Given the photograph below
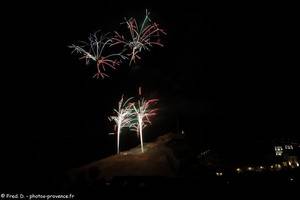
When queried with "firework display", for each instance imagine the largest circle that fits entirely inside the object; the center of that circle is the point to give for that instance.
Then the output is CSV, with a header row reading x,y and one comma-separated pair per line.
x,y
144,112
123,118
109,51
98,50
140,38
135,115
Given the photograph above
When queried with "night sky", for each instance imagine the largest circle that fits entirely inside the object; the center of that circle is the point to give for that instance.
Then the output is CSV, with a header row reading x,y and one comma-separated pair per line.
x,y
227,76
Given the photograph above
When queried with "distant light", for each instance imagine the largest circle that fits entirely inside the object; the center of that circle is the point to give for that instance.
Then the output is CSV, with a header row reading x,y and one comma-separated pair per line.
x,y
261,167
288,146
278,166
297,164
291,179
219,173
285,164
278,150
272,166
238,169
250,168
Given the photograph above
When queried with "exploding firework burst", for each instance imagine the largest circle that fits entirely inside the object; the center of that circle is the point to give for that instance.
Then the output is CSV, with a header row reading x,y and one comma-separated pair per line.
x,y
143,111
97,50
140,37
123,118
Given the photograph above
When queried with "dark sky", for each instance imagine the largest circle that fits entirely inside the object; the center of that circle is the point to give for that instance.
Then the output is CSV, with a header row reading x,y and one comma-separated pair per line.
x,y
227,73
233,66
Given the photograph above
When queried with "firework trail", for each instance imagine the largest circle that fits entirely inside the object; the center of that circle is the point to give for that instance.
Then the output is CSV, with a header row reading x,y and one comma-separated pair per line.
x,y
123,117
97,50
144,112
140,38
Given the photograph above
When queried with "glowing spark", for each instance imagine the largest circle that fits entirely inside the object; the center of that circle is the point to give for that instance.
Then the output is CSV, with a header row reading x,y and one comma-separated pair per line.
x,y
140,37
278,166
140,90
238,169
219,173
144,113
123,118
97,50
